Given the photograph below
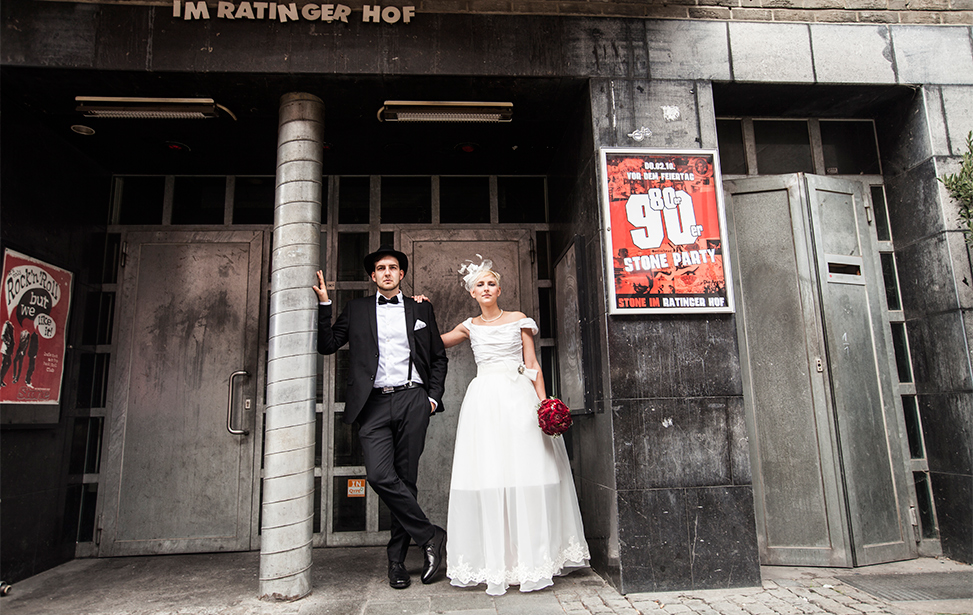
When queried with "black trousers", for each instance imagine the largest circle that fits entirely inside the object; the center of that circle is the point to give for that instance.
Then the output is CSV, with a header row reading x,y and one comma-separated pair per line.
x,y
392,431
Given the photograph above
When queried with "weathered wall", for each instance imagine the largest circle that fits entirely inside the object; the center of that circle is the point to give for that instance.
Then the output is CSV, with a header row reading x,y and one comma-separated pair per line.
x,y
53,204
150,39
679,495
834,11
682,470
927,139
575,211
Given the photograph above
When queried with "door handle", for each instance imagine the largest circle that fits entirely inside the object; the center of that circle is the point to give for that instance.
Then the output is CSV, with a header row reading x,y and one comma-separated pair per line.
x,y
229,405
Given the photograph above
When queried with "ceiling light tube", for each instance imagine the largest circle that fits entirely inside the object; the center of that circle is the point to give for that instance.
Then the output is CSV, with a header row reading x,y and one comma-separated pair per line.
x,y
445,111
146,108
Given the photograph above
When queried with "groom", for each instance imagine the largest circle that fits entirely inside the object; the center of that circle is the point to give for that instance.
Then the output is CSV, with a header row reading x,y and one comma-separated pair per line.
x,y
395,382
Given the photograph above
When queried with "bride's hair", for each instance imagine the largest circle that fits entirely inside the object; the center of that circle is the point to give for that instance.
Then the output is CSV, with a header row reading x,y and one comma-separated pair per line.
x,y
472,272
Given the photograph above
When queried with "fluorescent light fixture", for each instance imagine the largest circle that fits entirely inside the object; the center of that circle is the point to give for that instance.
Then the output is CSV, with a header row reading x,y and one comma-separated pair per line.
x,y
148,108
445,111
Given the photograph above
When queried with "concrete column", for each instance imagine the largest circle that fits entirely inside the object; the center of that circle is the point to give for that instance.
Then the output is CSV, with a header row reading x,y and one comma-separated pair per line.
x,y
288,485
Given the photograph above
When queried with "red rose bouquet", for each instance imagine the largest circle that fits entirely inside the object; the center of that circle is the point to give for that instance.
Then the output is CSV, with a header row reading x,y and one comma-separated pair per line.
x,y
553,417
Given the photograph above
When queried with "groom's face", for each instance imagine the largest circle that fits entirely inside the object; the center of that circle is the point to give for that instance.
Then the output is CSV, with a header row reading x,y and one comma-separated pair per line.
x,y
387,274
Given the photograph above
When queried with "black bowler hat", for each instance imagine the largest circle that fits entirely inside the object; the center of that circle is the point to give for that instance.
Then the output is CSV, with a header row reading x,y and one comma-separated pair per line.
x,y
386,250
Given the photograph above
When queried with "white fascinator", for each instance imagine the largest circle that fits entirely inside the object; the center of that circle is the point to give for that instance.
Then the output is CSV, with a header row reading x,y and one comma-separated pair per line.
x,y
471,272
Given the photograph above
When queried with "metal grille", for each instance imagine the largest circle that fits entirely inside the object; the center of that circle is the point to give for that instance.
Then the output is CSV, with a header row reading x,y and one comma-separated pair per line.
x,y
908,587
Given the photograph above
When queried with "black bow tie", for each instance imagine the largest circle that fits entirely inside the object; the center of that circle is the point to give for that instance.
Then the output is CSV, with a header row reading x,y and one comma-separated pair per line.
x,y
382,300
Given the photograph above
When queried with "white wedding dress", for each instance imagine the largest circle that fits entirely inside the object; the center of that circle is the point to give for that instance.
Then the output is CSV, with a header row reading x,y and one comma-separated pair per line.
x,y
513,511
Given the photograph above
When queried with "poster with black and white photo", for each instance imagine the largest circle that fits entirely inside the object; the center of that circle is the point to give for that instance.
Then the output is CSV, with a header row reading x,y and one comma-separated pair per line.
x,y
34,318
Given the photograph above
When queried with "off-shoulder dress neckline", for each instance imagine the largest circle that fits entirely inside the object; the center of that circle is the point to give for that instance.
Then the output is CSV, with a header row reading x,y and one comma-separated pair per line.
x,y
512,322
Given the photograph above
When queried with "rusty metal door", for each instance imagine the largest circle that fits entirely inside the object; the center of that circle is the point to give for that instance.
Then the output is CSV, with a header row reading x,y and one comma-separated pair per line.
x,y
180,466
830,485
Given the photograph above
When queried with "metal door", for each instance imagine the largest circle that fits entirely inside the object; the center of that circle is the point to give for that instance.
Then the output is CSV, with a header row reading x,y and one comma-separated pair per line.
x,y
867,411
828,469
434,264
180,466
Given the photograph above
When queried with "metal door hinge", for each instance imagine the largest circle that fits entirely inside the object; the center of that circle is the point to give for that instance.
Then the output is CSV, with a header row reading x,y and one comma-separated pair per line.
x,y
98,529
868,210
532,252
915,523
123,256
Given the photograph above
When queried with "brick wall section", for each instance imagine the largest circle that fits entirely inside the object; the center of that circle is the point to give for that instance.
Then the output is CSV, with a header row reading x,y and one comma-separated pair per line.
x,y
951,12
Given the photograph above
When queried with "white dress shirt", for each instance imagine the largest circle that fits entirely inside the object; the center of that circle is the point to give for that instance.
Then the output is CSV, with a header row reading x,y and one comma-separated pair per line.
x,y
393,345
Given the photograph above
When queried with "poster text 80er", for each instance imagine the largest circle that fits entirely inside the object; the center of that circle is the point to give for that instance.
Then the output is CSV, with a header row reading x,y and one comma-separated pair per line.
x,y
665,231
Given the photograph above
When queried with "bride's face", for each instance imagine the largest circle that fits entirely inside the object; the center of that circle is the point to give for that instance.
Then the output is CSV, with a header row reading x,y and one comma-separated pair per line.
x,y
486,289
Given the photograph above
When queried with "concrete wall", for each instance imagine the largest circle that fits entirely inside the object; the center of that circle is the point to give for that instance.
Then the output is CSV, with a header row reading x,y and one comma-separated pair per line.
x,y
148,38
835,11
822,11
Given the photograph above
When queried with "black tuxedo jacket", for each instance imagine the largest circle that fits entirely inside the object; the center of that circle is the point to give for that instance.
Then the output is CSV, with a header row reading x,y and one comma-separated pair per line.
x,y
358,327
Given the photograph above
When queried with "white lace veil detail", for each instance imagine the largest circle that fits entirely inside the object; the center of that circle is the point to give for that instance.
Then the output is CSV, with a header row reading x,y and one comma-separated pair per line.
x,y
471,272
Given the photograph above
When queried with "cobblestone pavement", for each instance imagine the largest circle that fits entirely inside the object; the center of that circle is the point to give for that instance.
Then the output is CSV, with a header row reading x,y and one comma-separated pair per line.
x,y
793,591
773,598
350,581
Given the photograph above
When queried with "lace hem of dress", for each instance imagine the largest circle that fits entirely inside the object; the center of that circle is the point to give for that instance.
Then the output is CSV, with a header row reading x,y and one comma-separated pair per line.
x,y
575,554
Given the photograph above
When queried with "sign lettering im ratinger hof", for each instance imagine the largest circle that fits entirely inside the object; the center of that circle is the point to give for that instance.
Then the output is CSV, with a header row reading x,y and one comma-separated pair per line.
x,y
665,231
289,11
33,318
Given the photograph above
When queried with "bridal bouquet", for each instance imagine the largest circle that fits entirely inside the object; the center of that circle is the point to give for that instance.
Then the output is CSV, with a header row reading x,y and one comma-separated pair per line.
x,y
553,417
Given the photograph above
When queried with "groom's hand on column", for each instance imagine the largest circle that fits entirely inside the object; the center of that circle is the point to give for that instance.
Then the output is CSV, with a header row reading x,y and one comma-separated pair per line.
x,y
321,289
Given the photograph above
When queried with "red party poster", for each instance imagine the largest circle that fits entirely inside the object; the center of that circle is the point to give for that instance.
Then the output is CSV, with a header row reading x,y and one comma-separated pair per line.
x,y
34,318
666,231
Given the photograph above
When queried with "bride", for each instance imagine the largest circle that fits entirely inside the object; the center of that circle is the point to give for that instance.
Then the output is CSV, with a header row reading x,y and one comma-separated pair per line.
x,y
513,512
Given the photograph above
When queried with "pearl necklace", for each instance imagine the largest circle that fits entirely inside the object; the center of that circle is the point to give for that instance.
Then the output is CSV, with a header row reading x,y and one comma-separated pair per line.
x,y
492,319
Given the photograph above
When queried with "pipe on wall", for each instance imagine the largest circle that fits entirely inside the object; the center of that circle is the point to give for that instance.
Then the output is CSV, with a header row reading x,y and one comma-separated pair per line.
x,y
288,484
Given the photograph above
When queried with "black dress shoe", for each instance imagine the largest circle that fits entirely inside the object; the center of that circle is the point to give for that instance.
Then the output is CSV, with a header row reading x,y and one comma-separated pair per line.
x,y
398,576
434,552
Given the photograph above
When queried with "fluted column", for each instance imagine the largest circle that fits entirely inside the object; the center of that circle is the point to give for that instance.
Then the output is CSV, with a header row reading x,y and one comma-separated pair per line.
x,y
288,484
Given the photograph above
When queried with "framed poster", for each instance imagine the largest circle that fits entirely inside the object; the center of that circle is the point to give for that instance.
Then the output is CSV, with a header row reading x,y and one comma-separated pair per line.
x,y
665,230
34,318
